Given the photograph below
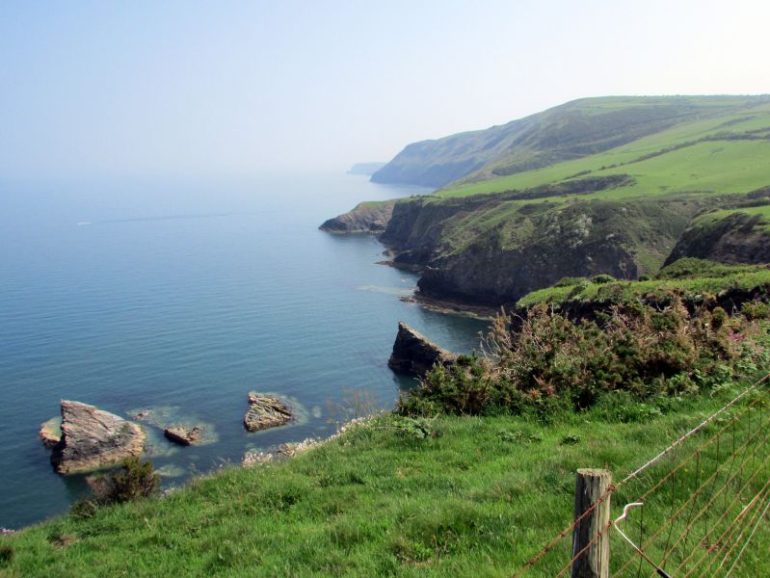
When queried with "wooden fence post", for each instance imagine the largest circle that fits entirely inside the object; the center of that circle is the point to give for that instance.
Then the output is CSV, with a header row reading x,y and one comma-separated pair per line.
x,y
591,534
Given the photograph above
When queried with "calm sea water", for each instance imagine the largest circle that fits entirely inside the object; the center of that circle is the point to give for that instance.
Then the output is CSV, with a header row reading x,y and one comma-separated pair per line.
x,y
182,297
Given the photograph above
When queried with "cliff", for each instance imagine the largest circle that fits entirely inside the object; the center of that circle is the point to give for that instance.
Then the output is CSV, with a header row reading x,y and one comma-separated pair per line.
x,y
740,236
369,218
518,248
614,186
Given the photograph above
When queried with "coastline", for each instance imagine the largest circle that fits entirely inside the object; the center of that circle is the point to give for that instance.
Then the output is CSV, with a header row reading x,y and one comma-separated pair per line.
x,y
449,307
437,305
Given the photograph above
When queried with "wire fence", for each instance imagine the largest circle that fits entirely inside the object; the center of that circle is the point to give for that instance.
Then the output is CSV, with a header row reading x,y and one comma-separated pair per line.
x,y
691,511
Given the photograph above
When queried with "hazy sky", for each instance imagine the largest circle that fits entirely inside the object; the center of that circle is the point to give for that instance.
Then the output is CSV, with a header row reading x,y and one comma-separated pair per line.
x,y
232,88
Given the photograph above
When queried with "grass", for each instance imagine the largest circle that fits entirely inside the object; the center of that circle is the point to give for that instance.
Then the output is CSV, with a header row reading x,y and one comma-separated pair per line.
x,y
718,166
718,215
737,277
477,497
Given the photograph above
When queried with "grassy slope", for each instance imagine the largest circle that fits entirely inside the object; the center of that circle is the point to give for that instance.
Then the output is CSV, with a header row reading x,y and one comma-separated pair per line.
x,y
738,277
671,165
719,166
478,500
571,130
717,215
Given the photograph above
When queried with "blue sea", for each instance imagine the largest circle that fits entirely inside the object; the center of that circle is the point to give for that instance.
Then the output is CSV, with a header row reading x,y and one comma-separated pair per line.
x,y
179,297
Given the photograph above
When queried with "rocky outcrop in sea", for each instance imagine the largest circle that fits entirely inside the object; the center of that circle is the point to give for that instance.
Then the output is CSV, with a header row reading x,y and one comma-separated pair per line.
x,y
184,436
93,439
414,354
266,411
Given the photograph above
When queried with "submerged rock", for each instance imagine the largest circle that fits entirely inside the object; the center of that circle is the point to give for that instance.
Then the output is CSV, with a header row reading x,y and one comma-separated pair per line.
x,y
183,435
180,426
93,439
266,411
415,354
50,432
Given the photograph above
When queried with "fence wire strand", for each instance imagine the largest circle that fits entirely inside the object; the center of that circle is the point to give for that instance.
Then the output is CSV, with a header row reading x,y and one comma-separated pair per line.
x,y
684,488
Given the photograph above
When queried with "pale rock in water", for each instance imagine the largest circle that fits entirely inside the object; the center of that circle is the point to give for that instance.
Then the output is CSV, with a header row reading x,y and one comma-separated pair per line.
x,y
183,435
266,411
93,439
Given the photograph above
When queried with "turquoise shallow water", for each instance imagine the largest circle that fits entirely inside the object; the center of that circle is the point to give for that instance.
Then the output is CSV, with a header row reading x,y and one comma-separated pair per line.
x,y
183,297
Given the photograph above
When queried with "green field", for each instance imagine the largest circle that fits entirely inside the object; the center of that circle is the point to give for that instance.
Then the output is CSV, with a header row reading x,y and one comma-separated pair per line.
x,y
720,165
471,497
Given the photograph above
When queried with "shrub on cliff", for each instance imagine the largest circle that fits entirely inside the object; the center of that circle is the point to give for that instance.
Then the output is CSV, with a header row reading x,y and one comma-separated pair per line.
x,y
552,361
134,480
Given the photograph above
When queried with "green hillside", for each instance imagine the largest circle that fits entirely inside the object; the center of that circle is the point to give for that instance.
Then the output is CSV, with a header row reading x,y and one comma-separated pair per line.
x,y
566,134
616,185
726,152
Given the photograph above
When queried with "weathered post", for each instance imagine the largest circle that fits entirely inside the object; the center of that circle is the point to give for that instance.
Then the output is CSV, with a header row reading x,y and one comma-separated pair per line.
x,y
591,540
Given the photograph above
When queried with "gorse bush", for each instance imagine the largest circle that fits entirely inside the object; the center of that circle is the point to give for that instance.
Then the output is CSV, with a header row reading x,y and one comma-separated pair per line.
x,y
134,480
552,363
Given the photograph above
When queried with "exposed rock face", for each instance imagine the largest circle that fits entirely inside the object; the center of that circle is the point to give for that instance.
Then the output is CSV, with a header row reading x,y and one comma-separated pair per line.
x,y
266,411
50,432
183,435
93,439
531,246
737,238
415,354
370,218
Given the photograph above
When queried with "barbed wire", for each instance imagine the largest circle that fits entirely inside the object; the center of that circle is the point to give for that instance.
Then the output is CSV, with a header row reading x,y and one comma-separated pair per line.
x,y
692,499
748,539
736,536
742,454
695,430
724,537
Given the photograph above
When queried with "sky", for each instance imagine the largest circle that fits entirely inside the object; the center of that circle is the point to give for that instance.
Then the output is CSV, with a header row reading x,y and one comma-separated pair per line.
x,y
229,88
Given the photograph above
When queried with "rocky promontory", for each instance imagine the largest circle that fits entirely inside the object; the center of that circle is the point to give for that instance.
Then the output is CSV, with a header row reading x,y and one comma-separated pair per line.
x,y
93,439
414,354
366,218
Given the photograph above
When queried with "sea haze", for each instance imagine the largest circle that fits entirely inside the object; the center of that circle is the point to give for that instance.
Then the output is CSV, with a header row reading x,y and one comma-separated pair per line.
x,y
183,297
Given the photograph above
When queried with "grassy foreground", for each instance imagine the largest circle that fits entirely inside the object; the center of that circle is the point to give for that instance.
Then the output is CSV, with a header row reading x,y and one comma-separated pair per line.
x,y
454,496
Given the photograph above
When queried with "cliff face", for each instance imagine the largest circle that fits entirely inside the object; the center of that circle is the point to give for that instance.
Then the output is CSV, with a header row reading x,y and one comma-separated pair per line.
x,y
487,275
531,246
370,218
575,191
739,237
